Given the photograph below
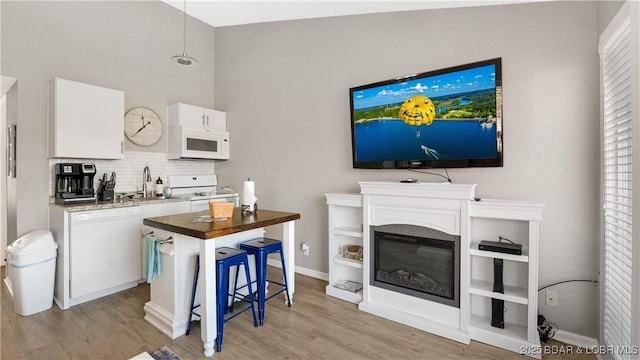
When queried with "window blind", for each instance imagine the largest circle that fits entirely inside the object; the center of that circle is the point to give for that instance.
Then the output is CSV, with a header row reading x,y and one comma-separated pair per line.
x,y
617,140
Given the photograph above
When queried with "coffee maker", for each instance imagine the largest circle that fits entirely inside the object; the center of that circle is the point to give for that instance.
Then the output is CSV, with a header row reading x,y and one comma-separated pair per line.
x,y
74,182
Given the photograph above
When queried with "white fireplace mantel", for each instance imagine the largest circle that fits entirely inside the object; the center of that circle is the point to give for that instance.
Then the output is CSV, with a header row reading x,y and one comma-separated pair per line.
x,y
439,206
453,209
444,190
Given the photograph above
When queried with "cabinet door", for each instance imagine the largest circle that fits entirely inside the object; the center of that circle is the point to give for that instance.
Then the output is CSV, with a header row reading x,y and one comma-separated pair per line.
x,y
85,121
104,254
186,115
196,117
215,119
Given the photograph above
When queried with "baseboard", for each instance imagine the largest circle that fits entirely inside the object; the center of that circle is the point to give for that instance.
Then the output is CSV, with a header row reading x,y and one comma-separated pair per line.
x,y
302,270
575,339
312,273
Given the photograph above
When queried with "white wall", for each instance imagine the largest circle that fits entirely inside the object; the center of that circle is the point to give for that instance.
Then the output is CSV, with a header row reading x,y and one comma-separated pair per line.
x,y
606,10
285,88
124,45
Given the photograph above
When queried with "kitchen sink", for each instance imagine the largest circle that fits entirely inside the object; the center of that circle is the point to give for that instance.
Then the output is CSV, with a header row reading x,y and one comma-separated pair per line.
x,y
137,198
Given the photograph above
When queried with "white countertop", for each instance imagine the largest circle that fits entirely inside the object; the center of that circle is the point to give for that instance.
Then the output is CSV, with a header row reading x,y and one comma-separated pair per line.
x,y
99,205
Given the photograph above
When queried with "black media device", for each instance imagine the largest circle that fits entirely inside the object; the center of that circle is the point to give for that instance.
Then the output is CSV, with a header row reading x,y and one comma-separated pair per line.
x,y
497,305
501,247
498,286
497,313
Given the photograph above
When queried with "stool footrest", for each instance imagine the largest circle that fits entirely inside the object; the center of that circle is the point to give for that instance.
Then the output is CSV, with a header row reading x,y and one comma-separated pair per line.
x,y
275,294
237,312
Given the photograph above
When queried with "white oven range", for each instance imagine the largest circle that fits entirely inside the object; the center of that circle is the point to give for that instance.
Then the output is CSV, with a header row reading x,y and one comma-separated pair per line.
x,y
198,188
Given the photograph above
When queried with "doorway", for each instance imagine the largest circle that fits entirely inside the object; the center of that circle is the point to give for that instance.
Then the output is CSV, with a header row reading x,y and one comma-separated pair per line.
x,y
7,186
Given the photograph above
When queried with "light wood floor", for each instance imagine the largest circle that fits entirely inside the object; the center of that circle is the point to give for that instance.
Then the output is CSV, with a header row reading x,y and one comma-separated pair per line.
x,y
316,327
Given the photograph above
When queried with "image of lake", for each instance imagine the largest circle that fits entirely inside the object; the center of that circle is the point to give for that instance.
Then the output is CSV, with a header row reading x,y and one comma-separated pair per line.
x,y
393,140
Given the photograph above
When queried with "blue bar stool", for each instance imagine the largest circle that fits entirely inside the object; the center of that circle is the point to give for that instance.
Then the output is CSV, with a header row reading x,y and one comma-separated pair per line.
x,y
225,259
261,248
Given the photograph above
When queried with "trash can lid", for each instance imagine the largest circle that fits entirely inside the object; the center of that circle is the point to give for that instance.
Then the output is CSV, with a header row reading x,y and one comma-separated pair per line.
x,y
38,240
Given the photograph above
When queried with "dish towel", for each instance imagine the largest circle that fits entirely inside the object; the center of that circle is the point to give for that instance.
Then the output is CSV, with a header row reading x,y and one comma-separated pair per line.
x,y
151,258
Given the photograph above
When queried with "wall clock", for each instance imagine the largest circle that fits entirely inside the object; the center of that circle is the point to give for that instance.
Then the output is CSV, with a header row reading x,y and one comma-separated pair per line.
x,y
142,126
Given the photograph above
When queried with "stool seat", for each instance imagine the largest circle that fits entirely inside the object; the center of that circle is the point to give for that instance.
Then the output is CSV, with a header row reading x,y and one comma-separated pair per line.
x,y
228,253
226,258
262,243
261,248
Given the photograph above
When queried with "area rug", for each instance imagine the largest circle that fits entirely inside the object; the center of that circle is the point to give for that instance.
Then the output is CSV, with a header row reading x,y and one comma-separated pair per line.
x,y
164,353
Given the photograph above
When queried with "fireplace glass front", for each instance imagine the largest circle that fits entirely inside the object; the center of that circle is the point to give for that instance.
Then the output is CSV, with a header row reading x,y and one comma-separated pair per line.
x,y
425,266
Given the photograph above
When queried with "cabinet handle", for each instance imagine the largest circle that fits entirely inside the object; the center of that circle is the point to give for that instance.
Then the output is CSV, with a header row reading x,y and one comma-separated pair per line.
x,y
207,120
203,123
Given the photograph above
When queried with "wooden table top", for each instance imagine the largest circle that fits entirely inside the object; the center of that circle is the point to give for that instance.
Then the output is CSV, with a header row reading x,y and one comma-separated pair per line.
x,y
183,223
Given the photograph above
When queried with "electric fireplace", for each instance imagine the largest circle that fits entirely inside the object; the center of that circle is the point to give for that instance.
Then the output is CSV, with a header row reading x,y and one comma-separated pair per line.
x,y
416,261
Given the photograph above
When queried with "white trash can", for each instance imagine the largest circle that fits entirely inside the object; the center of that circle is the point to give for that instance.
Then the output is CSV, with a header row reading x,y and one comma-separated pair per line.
x,y
31,262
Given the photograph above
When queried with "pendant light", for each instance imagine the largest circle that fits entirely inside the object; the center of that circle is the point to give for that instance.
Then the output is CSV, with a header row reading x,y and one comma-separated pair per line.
x,y
184,59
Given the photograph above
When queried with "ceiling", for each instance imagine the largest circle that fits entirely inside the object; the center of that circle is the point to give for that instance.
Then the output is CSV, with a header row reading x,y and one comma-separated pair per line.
x,y
219,13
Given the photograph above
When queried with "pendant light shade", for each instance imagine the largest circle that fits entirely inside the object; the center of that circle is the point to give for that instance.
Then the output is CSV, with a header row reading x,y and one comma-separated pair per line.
x,y
184,59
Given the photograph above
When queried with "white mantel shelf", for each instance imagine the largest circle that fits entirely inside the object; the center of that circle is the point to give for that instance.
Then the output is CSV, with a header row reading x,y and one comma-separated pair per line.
x,y
444,190
453,209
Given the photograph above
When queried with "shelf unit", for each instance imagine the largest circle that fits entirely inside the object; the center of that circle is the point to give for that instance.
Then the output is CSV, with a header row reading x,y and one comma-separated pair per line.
x,y
519,222
345,228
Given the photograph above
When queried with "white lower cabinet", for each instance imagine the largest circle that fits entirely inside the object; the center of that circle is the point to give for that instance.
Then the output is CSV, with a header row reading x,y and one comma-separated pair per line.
x,y
345,229
98,252
103,250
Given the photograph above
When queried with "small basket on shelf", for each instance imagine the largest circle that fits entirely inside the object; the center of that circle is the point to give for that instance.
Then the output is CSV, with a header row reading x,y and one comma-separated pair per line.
x,y
221,209
353,252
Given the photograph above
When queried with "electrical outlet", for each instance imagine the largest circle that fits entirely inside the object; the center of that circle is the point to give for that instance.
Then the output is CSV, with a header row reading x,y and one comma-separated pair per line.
x,y
552,298
305,249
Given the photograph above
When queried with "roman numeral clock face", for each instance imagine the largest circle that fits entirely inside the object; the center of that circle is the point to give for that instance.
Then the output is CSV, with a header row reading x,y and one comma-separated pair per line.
x,y
142,126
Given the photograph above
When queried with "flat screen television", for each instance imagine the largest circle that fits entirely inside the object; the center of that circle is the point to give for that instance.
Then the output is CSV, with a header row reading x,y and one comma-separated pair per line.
x,y
447,118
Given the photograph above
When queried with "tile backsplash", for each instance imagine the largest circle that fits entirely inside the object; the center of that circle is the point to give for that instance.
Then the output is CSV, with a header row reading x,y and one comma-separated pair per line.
x,y
129,170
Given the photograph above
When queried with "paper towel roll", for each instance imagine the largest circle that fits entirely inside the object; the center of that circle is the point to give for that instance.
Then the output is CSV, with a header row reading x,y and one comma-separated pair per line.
x,y
248,194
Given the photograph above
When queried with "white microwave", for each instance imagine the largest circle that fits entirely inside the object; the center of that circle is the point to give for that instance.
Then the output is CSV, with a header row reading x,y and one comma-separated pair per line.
x,y
197,143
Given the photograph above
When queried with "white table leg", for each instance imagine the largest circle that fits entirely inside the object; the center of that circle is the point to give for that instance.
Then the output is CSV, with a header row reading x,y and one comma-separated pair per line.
x,y
289,247
208,295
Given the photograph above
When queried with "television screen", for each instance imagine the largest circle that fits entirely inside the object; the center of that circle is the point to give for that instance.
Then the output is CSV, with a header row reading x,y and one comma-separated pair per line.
x,y
445,118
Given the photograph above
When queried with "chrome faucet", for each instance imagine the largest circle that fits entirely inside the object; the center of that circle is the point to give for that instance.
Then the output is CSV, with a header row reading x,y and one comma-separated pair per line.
x,y
146,177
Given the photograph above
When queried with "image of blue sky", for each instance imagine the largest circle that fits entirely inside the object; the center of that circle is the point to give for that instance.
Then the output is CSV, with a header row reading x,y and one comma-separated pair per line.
x,y
462,81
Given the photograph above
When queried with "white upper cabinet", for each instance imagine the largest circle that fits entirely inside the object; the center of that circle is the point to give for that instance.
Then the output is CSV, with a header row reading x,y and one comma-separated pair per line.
x,y
84,121
196,117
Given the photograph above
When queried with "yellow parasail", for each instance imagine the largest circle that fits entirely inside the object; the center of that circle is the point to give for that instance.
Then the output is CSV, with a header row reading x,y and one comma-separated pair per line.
x,y
417,110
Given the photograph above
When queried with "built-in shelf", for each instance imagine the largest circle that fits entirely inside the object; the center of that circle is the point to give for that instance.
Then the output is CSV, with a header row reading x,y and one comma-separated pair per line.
x,y
354,297
513,337
511,293
492,254
339,259
348,231
483,324
345,228
490,219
